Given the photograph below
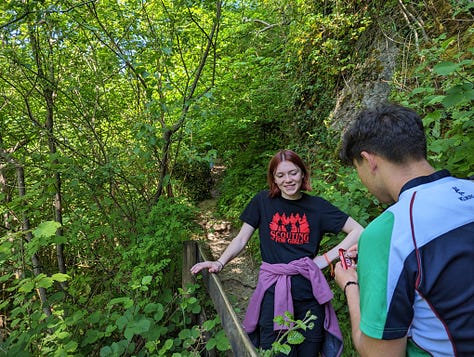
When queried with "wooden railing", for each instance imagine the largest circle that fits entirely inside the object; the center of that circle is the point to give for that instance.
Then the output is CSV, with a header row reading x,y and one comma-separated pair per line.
x,y
238,338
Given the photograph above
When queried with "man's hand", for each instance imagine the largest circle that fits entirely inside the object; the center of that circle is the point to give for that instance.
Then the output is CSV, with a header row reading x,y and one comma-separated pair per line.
x,y
342,276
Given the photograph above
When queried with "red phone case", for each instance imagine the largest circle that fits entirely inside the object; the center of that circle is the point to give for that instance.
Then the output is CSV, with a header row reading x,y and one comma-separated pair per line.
x,y
345,261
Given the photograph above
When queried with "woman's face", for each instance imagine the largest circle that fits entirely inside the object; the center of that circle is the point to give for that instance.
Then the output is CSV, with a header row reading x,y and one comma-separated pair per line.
x,y
289,178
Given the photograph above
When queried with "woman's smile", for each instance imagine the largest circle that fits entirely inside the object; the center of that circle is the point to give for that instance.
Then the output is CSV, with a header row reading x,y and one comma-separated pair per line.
x,y
288,177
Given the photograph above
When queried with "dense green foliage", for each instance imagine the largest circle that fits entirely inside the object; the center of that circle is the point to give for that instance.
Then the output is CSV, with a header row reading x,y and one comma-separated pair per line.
x,y
112,113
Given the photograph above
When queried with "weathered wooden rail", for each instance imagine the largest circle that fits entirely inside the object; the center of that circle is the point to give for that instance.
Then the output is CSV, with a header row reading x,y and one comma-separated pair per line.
x,y
238,338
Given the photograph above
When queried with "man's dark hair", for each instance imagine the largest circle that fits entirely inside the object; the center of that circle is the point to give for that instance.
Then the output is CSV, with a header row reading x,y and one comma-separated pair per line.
x,y
390,130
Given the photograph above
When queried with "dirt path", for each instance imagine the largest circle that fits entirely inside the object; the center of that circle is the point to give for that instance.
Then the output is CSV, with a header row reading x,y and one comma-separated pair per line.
x,y
239,277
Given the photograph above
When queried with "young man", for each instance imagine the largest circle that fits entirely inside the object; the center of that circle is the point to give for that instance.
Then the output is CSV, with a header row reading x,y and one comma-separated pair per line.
x,y
412,292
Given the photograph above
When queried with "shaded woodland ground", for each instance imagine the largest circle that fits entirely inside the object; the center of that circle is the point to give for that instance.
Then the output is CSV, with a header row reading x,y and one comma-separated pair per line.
x,y
239,277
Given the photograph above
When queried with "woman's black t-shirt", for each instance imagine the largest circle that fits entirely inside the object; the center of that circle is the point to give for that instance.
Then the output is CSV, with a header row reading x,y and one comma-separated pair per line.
x,y
292,229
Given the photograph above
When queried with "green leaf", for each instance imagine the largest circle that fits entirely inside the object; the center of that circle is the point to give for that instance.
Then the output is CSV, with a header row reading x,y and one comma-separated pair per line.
x,y
445,68
62,335
91,336
146,280
434,116
159,313
156,332
196,309
118,348
187,343
208,325
44,281
5,277
434,99
46,229
60,277
59,240
285,349
126,301
94,317
109,330
222,341
184,334
136,328
106,351
192,300
459,95
121,322
27,286
300,324
295,337
4,303
211,344
71,346
280,320
423,90
166,347
152,307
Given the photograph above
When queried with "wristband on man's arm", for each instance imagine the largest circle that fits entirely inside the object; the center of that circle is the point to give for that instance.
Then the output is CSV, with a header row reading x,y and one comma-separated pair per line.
x,y
350,283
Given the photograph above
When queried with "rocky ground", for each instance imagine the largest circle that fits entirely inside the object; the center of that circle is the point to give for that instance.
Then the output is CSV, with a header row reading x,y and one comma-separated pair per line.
x,y
239,277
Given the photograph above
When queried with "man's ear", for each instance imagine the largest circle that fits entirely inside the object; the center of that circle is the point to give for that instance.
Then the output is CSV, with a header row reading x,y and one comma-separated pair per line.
x,y
370,159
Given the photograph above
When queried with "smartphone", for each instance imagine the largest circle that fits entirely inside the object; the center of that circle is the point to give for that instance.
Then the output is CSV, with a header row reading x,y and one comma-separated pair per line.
x,y
345,260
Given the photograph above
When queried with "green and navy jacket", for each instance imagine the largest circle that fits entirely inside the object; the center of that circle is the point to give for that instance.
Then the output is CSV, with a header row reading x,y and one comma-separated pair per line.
x,y
415,268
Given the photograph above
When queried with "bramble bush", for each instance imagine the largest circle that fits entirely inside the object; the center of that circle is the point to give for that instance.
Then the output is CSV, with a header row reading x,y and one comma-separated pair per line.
x,y
131,307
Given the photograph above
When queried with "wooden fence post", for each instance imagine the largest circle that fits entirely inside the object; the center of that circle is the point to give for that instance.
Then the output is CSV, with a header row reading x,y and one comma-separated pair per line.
x,y
190,257
238,338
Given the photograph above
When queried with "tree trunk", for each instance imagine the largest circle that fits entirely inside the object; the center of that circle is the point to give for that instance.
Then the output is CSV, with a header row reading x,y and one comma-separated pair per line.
x,y
189,96
48,83
28,236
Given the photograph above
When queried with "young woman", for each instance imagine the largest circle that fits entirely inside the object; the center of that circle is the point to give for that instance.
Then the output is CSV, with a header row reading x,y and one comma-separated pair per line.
x,y
291,224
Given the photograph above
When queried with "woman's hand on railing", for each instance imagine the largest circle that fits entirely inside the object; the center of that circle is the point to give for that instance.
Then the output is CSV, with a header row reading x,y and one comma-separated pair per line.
x,y
212,266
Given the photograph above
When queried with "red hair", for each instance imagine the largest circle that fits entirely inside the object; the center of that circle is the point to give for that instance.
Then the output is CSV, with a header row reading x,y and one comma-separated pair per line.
x,y
286,155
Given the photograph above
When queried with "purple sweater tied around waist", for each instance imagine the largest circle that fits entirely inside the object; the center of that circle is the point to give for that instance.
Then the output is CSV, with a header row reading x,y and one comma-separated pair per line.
x,y
281,275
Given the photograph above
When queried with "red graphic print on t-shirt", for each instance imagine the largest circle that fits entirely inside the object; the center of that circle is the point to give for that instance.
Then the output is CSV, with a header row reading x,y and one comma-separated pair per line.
x,y
292,230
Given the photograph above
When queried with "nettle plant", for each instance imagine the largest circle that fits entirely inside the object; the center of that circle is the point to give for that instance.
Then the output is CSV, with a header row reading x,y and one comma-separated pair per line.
x,y
291,336
444,94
